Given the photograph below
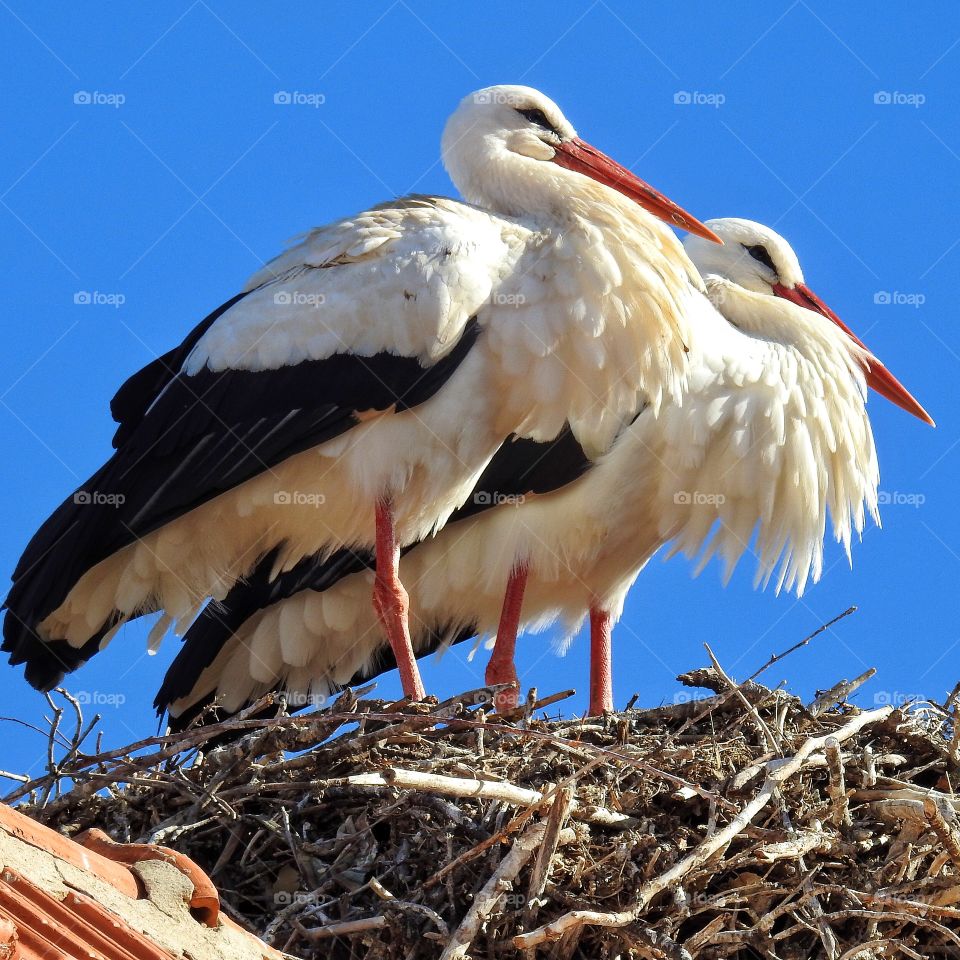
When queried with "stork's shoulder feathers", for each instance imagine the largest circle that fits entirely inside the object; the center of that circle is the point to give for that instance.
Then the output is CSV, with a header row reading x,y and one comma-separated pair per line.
x,y
426,223
404,277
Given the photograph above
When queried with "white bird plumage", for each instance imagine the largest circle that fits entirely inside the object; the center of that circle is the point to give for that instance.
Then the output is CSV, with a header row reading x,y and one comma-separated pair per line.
x,y
771,442
577,292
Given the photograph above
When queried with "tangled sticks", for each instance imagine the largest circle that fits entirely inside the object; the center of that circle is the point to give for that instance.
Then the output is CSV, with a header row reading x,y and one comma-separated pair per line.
x,y
742,824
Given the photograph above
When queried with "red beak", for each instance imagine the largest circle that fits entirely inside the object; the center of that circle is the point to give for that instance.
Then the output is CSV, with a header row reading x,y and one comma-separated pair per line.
x,y
878,376
580,156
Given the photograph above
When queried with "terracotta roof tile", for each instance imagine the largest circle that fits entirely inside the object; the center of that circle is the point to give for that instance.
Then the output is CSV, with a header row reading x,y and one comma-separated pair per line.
x,y
97,900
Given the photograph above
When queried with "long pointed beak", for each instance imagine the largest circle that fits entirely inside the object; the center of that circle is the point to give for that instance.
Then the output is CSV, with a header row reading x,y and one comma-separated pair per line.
x,y
879,378
578,155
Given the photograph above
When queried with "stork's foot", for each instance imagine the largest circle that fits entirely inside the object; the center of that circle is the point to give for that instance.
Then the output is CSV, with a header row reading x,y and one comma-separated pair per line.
x,y
392,604
503,670
601,660
502,667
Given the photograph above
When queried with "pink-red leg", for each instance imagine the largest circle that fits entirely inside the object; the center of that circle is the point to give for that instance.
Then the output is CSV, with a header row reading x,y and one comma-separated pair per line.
x,y
601,673
392,604
502,668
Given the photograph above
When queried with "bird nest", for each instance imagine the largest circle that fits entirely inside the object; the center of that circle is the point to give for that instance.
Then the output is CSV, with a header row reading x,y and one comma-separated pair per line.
x,y
739,822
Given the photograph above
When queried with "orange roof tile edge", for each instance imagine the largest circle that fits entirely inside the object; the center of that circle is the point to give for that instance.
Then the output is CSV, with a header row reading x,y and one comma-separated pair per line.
x,y
205,902
35,924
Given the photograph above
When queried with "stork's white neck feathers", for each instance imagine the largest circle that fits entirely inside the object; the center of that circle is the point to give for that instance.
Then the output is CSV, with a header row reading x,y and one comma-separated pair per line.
x,y
616,338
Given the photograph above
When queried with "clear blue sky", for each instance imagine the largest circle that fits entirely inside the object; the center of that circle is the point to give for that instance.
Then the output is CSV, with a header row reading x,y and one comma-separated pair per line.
x,y
181,174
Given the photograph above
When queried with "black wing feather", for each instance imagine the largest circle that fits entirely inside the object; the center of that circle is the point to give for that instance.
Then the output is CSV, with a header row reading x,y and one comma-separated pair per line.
x,y
134,397
200,436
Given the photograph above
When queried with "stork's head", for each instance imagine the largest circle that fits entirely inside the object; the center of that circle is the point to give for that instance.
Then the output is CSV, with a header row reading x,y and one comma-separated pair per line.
x,y
511,149
757,259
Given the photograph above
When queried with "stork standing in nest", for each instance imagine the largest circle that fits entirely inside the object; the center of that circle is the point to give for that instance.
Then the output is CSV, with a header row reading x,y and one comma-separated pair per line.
x,y
771,437
354,391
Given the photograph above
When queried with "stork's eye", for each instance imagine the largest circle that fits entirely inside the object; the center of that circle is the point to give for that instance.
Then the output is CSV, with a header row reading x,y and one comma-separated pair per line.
x,y
538,117
759,252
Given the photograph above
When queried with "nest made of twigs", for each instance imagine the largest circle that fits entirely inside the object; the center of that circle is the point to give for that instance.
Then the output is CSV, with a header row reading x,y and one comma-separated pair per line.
x,y
743,824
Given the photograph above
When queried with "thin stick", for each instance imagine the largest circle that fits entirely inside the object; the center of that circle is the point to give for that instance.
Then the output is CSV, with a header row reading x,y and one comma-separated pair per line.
x,y
839,692
943,820
837,787
765,733
475,789
776,658
345,929
559,811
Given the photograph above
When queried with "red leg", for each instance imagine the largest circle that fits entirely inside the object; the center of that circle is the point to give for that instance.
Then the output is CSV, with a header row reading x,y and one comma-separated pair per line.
x,y
392,604
501,668
601,679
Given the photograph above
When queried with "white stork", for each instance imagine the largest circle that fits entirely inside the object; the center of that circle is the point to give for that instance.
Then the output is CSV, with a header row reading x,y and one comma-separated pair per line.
x,y
772,434
355,389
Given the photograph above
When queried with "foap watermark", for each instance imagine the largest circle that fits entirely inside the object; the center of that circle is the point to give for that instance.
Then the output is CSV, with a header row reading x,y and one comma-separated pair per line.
x,y
897,298
284,898
900,498
299,98
98,498
699,98
297,298
498,96
895,698
501,698
686,696
494,498
698,498
99,698
98,298
298,700
509,299
514,901
299,498
97,98
897,98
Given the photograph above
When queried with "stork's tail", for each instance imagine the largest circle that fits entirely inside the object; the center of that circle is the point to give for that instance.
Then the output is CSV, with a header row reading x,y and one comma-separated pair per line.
x,y
78,534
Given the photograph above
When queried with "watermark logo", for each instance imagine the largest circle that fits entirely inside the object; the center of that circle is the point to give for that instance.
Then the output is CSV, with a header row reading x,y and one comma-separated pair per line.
x,y
699,98
509,299
493,498
297,298
99,698
894,698
681,697
297,700
698,498
299,98
896,98
298,498
897,298
97,298
97,498
284,898
497,96
97,98
898,498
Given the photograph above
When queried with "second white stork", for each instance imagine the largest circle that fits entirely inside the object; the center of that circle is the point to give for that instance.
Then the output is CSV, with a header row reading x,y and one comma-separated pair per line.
x,y
772,436
352,393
